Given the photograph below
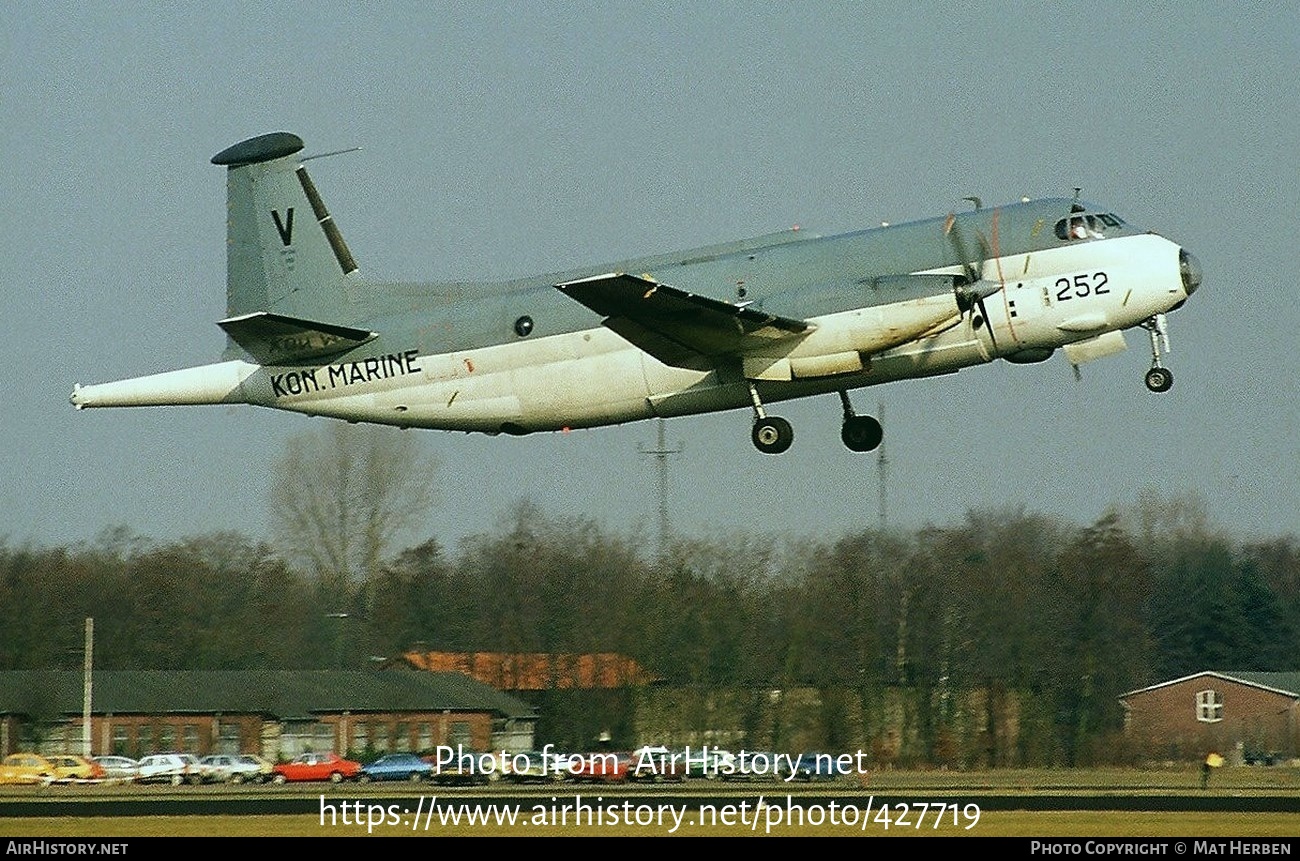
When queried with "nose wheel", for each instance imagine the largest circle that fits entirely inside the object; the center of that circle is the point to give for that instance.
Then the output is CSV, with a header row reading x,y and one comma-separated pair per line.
x,y
1159,378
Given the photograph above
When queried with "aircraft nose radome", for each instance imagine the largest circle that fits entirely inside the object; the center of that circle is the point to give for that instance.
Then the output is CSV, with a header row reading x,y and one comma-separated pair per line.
x,y
1190,268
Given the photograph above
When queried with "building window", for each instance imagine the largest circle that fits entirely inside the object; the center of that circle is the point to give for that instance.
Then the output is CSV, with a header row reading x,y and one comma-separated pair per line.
x,y
144,740
190,734
324,737
426,737
121,742
1209,706
360,738
229,738
167,737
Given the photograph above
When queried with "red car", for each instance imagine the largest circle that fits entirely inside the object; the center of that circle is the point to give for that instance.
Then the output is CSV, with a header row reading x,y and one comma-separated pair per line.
x,y
317,766
598,767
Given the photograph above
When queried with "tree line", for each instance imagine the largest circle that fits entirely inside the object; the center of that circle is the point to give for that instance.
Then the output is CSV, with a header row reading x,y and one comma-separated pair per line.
x,y
1062,617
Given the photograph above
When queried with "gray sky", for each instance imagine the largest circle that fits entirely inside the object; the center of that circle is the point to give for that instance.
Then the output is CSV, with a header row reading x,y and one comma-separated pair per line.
x,y
504,139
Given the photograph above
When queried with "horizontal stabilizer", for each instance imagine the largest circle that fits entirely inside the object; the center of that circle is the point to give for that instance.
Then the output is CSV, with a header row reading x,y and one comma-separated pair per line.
x,y
274,339
676,327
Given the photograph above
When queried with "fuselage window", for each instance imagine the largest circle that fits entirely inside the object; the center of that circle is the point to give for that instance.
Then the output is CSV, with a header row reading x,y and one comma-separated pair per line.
x,y
523,326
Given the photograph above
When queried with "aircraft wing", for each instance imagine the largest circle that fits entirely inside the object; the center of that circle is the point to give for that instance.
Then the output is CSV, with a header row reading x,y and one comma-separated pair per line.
x,y
676,327
274,339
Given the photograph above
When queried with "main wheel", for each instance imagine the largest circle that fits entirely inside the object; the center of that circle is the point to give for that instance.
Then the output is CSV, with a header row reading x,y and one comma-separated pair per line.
x,y
1159,379
861,433
772,435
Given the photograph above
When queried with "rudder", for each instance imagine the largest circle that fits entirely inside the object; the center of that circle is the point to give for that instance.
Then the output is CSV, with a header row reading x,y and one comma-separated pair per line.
x,y
284,252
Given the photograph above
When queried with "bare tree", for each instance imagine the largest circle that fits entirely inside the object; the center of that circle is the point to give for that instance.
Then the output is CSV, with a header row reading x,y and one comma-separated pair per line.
x,y
343,496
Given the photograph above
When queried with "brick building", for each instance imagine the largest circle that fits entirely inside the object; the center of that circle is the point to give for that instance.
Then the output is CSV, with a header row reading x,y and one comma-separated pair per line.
x,y
277,713
1245,716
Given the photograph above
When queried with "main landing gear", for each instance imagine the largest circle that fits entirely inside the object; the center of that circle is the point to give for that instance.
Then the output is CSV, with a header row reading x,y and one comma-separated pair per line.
x,y
1159,378
859,433
773,434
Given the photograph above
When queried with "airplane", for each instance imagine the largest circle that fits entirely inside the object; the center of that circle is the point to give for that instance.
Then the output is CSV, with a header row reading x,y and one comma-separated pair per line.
x,y
723,327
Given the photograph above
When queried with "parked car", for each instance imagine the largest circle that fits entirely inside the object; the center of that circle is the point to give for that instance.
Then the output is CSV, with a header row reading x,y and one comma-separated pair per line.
x,y
656,764
229,768
599,767
29,768
534,767
76,768
453,774
756,765
255,769
317,766
715,765
173,768
818,766
118,768
396,766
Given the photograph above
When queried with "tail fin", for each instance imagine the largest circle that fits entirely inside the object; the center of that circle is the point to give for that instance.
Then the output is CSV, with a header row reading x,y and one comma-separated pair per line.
x,y
285,254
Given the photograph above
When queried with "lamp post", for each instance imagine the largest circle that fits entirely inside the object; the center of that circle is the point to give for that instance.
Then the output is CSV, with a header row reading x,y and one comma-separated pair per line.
x,y
86,686
338,638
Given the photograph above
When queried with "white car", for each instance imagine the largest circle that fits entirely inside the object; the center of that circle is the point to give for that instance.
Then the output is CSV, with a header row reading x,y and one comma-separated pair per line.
x,y
225,768
173,768
118,768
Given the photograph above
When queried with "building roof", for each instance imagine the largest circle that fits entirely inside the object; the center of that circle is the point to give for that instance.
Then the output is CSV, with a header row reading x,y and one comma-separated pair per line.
x,y
538,671
1287,684
285,694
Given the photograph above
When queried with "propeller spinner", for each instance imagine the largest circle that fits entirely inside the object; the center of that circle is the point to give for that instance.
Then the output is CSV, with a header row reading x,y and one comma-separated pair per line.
x,y
975,289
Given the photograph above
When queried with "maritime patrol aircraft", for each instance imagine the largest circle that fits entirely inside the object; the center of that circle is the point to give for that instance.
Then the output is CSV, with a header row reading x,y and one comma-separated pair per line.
x,y
730,326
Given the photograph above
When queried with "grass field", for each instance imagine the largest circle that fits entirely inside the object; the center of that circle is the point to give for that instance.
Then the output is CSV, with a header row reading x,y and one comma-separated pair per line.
x,y
662,813
992,824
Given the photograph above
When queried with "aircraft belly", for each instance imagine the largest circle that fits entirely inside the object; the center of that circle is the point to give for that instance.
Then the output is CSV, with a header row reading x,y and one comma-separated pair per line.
x,y
579,379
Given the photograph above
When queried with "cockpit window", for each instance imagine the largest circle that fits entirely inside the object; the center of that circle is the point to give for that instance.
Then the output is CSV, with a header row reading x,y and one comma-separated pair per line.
x,y
1086,226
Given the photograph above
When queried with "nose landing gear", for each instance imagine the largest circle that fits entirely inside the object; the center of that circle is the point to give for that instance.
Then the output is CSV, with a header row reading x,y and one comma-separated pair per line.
x,y
1159,378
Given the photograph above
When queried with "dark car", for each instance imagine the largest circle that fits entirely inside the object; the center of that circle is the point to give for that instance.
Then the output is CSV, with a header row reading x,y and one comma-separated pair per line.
x,y
819,766
396,766
459,772
536,767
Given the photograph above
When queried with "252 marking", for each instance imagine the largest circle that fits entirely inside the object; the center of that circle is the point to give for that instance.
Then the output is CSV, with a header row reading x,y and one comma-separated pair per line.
x,y
1081,286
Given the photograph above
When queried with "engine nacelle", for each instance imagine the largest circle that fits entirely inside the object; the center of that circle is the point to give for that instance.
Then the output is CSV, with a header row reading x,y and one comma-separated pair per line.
x,y
1030,356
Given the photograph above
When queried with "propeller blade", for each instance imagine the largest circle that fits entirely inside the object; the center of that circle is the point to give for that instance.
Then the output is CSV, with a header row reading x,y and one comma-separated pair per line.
x,y
970,296
979,300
